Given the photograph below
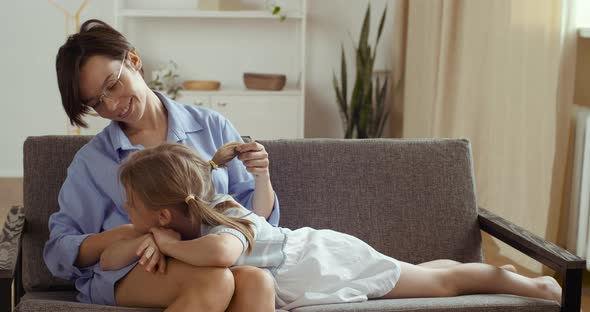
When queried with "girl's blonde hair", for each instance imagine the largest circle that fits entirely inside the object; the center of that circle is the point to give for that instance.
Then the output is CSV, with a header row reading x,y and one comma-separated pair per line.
x,y
164,176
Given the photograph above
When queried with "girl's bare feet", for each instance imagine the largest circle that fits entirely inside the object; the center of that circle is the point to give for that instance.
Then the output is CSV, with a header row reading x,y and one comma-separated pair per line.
x,y
509,267
550,288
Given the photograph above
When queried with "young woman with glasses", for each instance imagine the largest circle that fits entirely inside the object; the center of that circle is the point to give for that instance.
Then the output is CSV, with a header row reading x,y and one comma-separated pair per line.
x,y
99,70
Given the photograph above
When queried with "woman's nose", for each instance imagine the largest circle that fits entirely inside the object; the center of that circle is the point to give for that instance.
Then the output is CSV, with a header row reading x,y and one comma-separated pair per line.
x,y
111,103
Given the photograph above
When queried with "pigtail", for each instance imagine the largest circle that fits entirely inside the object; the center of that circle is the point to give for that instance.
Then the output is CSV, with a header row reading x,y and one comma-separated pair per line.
x,y
224,155
199,210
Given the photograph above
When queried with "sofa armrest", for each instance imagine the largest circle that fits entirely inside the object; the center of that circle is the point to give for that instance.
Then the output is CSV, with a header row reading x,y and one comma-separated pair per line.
x,y
9,250
551,255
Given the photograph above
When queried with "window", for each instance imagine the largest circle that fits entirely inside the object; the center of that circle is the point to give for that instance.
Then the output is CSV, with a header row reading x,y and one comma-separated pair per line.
x,y
583,13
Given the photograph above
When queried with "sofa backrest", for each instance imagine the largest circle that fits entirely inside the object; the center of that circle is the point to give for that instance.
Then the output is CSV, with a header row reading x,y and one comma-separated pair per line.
x,y
411,199
46,160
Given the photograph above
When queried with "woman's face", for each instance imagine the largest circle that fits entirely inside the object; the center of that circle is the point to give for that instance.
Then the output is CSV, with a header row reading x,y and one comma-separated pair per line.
x,y
120,99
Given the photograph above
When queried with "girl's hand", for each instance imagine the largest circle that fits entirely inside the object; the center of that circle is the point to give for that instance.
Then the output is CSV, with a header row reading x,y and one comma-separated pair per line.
x,y
255,158
151,256
164,237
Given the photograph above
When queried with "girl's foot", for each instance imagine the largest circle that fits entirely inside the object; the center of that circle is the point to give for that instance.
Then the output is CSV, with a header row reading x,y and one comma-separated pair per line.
x,y
550,288
509,267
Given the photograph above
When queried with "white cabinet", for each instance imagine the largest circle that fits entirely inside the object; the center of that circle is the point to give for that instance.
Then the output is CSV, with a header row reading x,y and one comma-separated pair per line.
x,y
193,99
262,115
205,44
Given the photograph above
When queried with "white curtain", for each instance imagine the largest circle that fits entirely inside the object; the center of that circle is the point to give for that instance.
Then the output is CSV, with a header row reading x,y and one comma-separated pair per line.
x,y
499,73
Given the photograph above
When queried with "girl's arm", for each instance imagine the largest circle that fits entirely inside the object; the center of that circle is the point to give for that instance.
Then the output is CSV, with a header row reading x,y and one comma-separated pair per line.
x,y
94,245
121,253
219,250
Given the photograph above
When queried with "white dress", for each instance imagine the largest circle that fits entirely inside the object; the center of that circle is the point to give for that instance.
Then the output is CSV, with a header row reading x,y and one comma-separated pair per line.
x,y
313,267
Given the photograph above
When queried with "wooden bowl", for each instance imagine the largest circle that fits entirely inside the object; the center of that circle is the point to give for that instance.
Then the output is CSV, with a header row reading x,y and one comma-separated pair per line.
x,y
256,81
201,85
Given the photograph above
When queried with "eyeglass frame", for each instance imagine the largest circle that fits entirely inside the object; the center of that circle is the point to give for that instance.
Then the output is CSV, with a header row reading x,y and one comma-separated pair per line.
x,y
104,93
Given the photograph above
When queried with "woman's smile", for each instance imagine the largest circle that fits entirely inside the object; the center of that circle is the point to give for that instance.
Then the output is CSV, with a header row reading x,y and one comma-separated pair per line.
x,y
127,111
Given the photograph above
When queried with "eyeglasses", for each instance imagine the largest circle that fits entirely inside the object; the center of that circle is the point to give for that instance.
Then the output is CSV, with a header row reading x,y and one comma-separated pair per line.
x,y
110,88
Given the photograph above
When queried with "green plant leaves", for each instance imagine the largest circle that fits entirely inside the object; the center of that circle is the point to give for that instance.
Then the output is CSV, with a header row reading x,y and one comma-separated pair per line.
x,y
365,115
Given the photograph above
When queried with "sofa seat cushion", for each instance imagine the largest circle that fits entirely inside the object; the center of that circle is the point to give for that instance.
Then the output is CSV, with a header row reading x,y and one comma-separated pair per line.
x,y
470,303
65,301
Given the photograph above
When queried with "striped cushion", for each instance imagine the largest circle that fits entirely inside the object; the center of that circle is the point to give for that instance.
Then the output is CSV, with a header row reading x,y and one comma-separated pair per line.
x,y
10,237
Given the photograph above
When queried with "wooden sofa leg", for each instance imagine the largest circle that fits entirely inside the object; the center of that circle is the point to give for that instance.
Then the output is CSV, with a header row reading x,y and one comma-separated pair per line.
x,y
571,297
6,294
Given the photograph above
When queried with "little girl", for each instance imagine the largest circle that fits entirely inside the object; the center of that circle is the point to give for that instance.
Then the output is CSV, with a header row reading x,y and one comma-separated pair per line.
x,y
170,194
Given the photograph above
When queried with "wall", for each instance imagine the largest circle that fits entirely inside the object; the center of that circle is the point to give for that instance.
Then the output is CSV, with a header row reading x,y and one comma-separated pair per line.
x,y
582,84
32,32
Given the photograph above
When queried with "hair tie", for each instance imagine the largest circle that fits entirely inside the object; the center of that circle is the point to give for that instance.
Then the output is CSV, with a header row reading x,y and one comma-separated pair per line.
x,y
191,196
213,165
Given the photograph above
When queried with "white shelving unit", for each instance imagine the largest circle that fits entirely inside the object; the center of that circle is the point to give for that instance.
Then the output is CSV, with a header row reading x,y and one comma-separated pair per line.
x,y
256,14
261,114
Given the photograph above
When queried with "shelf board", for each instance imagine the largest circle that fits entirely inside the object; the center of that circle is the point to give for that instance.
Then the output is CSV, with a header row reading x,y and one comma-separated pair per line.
x,y
584,32
283,92
194,13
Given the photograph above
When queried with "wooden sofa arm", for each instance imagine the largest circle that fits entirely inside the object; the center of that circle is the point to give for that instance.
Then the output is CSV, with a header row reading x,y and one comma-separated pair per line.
x,y
9,249
551,255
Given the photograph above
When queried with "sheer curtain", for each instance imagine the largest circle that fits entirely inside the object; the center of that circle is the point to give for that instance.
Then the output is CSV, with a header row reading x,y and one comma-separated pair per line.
x,y
499,73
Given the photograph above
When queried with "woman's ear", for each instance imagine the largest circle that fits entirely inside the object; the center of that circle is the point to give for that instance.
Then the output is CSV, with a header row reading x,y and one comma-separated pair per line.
x,y
165,217
135,60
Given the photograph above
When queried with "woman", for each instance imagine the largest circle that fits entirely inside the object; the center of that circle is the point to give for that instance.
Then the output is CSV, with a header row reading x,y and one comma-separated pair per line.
x,y
99,70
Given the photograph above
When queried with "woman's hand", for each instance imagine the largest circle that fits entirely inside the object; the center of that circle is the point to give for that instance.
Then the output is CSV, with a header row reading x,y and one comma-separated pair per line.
x,y
164,237
151,256
255,158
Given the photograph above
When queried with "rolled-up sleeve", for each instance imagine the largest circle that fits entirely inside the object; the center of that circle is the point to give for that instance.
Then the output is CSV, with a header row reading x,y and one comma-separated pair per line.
x,y
81,213
241,182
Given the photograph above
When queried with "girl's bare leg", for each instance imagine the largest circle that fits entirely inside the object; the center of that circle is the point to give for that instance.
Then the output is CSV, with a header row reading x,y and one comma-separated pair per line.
x,y
446,263
182,287
254,291
470,278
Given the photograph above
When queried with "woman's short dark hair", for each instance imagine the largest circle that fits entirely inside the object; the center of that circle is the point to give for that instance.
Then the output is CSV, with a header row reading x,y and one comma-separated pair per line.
x,y
95,38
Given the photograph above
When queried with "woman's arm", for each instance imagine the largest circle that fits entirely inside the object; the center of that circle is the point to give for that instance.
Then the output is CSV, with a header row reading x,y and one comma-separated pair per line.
x,y
219,250
264,196
75,239
255,158
255,194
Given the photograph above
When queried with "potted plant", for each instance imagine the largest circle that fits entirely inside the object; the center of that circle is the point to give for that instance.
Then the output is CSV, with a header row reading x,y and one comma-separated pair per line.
x,y
164,80
365,113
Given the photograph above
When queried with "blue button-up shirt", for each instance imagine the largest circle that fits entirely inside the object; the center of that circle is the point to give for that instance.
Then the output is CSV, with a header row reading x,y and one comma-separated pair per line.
x,y
91,198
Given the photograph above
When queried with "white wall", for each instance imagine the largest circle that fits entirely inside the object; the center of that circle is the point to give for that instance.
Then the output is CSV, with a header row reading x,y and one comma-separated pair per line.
x,y
583,13
32,32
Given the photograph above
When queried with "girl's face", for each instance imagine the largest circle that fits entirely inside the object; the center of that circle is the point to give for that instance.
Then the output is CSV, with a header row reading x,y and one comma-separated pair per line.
x,y
141,216
120,99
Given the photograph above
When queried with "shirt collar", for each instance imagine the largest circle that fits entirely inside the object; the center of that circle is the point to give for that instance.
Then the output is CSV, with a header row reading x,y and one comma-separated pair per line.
x,y
180,122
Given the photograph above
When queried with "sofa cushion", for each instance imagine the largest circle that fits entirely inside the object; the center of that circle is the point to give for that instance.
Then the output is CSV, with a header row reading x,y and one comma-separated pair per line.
x,y
472,303
62,301
52,301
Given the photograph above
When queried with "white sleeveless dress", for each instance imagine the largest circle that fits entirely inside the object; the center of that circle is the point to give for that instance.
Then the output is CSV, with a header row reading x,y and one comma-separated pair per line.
x,y
313,267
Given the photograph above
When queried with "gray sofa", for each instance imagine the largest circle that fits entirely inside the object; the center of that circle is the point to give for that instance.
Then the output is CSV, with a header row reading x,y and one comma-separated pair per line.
x,y
411,199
